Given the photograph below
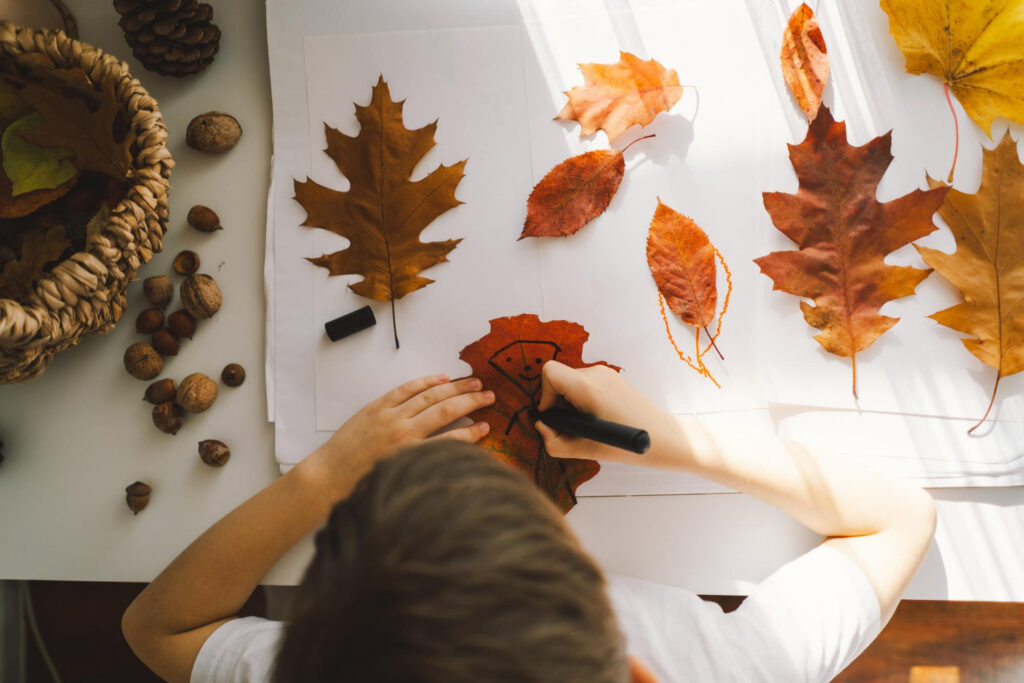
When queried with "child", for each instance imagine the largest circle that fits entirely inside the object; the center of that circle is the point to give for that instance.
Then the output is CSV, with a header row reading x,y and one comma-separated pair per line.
x,y
440,564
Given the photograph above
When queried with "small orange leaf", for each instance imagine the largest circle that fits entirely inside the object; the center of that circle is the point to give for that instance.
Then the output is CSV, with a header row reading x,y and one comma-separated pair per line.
x,y
573,193
682,262
804,60
617,96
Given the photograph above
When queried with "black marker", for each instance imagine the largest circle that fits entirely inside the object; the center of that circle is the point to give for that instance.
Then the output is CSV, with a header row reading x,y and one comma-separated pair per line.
x,y
571,422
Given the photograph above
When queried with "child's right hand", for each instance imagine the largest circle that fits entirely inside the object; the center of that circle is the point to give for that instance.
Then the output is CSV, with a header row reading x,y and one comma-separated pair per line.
x,y
603,393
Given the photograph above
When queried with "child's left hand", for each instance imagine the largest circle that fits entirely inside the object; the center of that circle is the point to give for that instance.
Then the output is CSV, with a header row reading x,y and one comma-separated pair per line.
x,y
401,417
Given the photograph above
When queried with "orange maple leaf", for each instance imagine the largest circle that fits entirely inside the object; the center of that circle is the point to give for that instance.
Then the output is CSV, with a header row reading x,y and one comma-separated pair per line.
x,y
383,212
508,360
844,234
988,264
804,60
617,96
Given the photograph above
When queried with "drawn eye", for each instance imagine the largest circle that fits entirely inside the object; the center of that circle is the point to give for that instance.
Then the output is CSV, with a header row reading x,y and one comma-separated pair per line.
x,y
508,359
537,361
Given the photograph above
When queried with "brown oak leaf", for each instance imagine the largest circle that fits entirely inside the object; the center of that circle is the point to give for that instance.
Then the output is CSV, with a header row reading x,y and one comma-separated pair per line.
x,y
508,361
616,96
575,192
804,60
383,212
69,122
988,264
37,250
844,234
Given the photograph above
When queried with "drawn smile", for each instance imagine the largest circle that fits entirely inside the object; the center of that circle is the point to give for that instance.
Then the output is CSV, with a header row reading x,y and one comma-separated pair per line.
x,y
529,378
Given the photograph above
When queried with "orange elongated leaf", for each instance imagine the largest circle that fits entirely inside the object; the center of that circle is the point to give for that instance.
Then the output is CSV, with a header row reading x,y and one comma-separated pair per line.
x,y
682,262
508,361
383,212
843,235
988,264
616,96
804,60
574,192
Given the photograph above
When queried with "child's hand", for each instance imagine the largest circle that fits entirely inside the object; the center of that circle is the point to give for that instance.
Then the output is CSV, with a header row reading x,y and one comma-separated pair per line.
x,y
603,393
401,417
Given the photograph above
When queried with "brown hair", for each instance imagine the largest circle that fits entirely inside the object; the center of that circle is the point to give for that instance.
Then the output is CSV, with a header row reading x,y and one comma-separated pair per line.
x,y
445,565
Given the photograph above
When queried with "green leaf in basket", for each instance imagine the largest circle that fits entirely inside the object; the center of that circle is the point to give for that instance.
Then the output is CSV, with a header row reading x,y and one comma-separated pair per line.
x,y
30,167
37,250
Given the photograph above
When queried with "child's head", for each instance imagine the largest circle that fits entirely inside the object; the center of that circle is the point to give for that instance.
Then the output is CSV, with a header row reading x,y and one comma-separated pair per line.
x,y
445,565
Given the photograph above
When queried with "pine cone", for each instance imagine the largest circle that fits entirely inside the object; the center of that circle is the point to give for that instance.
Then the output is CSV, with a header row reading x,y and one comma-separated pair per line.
x,y
170,37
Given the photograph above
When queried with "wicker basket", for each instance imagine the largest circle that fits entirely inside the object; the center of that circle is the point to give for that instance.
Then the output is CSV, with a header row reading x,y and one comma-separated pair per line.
x,y
85,293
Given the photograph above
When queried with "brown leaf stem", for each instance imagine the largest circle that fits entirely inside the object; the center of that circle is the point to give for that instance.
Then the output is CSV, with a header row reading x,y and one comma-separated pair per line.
x,y
956,133
394,323
713,344
991,402
623,150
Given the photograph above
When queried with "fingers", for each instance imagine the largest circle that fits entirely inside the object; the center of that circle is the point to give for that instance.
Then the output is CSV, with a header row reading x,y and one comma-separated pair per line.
x,y
406,391
450,409
436,394
470,434
558,380
554,442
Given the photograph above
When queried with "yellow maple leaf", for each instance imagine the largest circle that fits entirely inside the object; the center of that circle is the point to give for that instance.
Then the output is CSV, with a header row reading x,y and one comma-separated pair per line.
x,y
973,46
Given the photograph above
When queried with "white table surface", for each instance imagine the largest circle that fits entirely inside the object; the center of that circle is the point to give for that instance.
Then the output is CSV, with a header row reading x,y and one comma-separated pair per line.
x,y
75,437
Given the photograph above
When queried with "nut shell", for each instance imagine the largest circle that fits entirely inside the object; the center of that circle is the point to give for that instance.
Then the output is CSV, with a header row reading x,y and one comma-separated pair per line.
x,y
182,324
204,219
137,496
167,417
200,296
142,361
149,321
161,391
233,374
186,262
159,290
214,453
165,343
213,132
197,392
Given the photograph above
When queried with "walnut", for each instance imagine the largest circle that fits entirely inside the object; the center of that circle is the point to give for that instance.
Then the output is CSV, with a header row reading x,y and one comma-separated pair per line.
x,y
197,392
181,324
165,342
142,361
204,219
158,290
137,496
214,131
167,417
233,374
149,321
161,391
200,295
214,453
186,262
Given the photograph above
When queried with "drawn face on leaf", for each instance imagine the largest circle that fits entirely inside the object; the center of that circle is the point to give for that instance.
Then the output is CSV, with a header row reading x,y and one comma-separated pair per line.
x,y
521,362
508,360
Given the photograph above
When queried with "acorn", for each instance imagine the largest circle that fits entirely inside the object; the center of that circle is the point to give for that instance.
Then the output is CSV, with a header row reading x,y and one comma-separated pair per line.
x,y
142,361
214,453
200,295
137,496
233,374
161,391
181,324
197,392
204,219
149,321
186,262
213,132
165,342
159,290
167,417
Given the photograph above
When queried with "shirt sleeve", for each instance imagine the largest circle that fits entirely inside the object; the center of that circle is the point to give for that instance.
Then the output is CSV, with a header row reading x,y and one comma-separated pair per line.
x,y
805,622
240,651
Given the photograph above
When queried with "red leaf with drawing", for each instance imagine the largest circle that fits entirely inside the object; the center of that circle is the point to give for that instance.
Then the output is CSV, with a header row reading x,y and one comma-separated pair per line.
x,y
508,361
